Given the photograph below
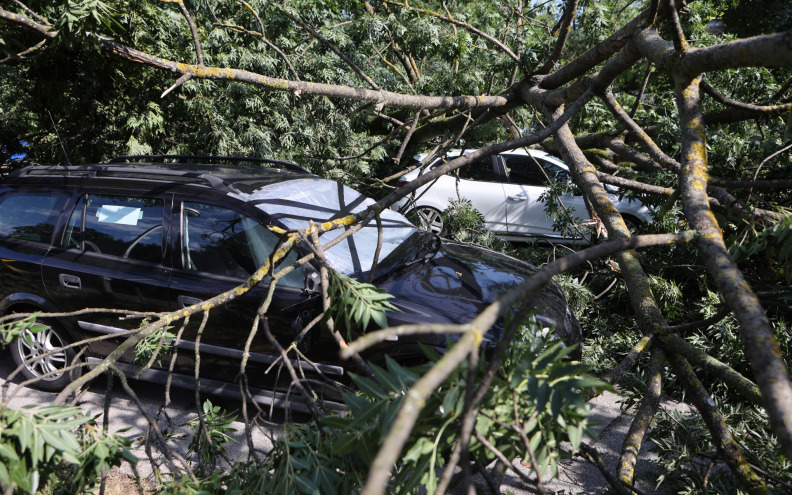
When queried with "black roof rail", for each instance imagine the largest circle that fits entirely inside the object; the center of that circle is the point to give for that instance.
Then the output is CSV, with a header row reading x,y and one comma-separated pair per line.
x,y
192,158
214,181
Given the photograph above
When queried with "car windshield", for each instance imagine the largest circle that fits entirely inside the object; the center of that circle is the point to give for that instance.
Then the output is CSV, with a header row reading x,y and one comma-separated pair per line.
x,y
420,247
296,202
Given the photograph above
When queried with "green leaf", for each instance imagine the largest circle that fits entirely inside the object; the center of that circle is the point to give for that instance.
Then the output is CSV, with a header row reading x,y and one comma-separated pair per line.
x,y
542,395
420,448
573,369
368,386
575,433
390,382
405,377
389,416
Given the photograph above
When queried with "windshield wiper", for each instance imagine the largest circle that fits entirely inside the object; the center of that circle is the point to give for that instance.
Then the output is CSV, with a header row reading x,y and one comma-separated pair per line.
x,y
425,255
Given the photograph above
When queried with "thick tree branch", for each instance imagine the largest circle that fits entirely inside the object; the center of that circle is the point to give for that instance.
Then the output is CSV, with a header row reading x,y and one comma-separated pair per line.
x,y
770,50
680,43
643,418
761,347
718,369
757,110
381,98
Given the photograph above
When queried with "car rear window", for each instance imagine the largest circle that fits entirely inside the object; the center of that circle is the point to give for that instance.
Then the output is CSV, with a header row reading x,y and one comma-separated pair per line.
x,y
30,216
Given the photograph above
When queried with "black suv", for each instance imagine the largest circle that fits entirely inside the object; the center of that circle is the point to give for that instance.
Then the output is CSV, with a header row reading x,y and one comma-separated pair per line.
x,y
154,237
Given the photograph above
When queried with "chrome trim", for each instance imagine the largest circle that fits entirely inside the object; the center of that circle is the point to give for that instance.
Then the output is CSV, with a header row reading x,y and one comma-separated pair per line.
x,y
223,389
254,357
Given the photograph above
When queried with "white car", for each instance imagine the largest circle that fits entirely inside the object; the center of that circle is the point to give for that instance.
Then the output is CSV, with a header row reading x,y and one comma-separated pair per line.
x,y
506,190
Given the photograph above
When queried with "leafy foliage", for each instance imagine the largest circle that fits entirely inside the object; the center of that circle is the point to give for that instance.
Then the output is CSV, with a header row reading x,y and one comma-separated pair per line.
x,y
118,110
535,382
210,438
38,444
11,331
772,245
357,303
155,345
688,455
463,223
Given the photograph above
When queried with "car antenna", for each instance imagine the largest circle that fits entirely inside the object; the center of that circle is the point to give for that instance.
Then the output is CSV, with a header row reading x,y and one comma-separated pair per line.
x,y
66,155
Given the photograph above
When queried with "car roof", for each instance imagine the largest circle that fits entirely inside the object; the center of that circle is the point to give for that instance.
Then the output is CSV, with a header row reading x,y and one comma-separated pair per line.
x,y
229,179
517,151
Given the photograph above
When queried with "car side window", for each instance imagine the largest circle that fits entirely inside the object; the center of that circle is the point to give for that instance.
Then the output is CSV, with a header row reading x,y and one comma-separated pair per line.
x,y
524,170
30,216
553,171
225,242
126,227
480,170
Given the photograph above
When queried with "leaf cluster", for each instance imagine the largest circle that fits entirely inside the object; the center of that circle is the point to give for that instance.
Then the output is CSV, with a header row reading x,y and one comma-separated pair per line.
x,y
40,445
356,303
771,245
210,436
155,345
11,331
536,390
463,223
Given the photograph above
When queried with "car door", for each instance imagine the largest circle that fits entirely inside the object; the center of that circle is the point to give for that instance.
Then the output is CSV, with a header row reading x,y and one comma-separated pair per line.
x,y
28,219
528,181
217,248
479,183
110,254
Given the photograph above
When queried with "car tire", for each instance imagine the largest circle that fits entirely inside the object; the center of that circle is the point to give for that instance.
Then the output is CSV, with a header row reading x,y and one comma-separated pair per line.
x,y
428,218
632,223
26,348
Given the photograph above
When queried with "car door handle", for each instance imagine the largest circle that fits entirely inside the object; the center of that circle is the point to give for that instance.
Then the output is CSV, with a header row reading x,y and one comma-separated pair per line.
x,y
70,281
185,301
518,197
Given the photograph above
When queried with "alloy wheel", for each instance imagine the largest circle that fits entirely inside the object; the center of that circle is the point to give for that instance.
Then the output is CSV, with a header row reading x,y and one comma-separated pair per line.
x,y
430,219
35,348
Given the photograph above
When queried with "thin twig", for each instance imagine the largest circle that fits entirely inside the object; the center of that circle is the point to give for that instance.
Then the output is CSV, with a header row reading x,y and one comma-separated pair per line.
x,y
502,458
639,96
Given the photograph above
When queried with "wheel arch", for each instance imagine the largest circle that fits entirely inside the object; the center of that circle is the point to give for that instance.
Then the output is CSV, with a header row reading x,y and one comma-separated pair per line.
x,y
24,302
430,203
636,220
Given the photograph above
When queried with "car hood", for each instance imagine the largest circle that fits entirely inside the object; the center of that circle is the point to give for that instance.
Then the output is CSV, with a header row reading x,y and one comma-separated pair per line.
x,y
459,281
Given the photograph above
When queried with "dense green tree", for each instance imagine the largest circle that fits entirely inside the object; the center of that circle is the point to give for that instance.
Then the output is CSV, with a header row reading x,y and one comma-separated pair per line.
x,y
641,95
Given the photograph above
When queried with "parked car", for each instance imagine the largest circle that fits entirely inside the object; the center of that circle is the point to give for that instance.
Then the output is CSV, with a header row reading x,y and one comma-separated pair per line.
x,y
507,189
157,237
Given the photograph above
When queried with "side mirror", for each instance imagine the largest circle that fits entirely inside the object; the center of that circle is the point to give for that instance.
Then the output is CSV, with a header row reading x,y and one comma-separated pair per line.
x,y
313,281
